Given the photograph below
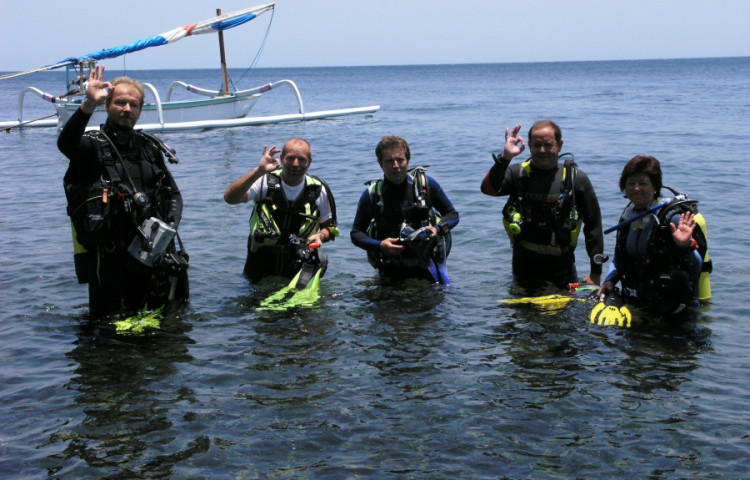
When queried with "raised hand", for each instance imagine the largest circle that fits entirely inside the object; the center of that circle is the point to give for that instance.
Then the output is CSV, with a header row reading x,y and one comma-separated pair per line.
x,y
97,89
514,143
683,231
267,161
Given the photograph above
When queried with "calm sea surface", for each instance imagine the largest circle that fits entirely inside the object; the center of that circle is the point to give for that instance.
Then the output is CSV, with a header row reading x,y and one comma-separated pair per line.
x,y
383,382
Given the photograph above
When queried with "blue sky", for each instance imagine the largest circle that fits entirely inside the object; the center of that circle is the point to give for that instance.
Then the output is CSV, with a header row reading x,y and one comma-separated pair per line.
x,y
379,32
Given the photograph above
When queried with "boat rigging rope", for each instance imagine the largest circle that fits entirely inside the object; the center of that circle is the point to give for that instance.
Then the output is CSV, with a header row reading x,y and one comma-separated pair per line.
x,y
8,129
257,55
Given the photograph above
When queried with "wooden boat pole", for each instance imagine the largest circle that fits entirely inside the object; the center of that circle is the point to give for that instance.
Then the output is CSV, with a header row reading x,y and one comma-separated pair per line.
x,y
225,88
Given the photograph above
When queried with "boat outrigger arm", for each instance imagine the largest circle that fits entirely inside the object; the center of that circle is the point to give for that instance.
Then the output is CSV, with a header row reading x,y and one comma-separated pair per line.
x,y
221,109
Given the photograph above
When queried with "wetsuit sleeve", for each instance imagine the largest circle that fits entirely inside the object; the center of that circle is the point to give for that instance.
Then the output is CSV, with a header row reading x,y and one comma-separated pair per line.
x,y
441,202
362,222
588,206
82,151
70,142
495,178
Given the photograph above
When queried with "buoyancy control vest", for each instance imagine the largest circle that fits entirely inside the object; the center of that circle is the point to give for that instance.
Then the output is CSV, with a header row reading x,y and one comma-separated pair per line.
x,y
416,211
276,220
557,216
664,277
106,210
103,210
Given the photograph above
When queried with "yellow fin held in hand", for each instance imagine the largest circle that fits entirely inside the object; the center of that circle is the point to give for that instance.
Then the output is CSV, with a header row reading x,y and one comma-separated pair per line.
x,y
604,314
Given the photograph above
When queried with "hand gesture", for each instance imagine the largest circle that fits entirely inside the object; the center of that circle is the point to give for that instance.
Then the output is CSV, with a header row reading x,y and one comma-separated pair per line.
x,y
683,231
267,162
96,88
514,143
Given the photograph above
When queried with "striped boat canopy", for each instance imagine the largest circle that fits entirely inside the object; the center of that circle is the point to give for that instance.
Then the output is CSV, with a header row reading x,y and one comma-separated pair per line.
x,y
211,25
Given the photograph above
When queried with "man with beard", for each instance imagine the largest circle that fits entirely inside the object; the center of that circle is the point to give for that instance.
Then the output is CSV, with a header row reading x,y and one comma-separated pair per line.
x,y
548,203
123,202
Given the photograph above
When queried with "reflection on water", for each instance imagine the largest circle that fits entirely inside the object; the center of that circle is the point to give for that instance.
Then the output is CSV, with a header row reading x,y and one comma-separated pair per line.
x,y
123,386
560,364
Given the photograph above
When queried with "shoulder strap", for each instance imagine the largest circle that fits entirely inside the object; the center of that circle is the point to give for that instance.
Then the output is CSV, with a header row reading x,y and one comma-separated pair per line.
x,y
106,158
331,201
375,187
569,173
273,179
421,187
274,192
569,180
313,186
523,177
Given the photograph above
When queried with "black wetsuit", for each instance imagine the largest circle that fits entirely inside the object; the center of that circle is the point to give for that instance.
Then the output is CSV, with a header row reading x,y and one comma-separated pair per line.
x,y
115,278
540,189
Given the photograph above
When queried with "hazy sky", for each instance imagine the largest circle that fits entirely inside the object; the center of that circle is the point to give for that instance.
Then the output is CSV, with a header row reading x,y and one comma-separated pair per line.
x,y
379,32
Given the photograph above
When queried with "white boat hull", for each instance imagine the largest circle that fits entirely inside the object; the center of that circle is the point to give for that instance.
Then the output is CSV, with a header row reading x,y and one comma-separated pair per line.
x,y
210,109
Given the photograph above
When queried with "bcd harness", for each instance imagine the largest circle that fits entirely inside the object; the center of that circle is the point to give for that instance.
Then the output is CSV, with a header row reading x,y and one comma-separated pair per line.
x,y
559,218
277,222
103,212
663,277
416,210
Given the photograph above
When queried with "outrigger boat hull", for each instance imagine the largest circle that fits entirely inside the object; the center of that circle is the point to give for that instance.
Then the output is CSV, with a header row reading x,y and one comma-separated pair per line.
x,y
210,109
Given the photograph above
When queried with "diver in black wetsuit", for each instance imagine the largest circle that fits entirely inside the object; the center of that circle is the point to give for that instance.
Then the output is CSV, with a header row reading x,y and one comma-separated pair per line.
x,y
550,202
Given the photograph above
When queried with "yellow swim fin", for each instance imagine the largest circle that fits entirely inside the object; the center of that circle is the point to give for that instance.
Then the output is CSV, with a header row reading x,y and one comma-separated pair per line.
x,y
304,296
609,312
140,322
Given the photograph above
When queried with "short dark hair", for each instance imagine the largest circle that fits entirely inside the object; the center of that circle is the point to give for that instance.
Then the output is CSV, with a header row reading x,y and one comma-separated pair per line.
x,y
389,142
643,164
546,123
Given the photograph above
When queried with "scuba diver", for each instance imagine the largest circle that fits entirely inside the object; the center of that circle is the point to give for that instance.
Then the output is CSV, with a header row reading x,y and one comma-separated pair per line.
x,y
548,204
292,211
404,220
661,254
124,204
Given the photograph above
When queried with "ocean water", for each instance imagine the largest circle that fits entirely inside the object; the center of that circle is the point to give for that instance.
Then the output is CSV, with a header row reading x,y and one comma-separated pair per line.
x,y
379,381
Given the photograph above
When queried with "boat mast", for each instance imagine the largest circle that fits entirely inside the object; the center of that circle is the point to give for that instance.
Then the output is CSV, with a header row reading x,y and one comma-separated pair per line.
x,y
225,88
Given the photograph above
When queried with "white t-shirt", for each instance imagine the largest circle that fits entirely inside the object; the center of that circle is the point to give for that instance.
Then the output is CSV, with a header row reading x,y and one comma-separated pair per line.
x,y
259,189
